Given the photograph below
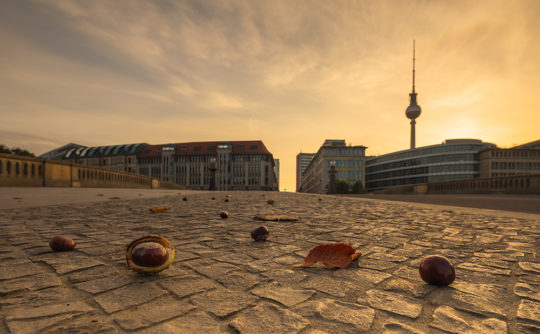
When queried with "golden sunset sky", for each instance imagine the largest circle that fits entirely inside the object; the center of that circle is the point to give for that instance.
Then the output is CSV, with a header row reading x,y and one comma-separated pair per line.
x,y
290,73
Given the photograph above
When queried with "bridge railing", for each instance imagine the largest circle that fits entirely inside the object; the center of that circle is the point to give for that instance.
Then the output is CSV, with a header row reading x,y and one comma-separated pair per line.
x,y
518,184
20,171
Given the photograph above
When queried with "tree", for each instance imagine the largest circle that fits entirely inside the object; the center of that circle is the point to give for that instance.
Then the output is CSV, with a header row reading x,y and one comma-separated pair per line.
x,y
357,187
15,151
342,187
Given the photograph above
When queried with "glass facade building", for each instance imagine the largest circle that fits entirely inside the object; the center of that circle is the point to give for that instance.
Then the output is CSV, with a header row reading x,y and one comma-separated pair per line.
x,y
455,159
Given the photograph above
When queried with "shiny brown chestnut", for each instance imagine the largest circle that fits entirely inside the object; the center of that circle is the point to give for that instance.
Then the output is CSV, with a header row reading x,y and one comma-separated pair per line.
x,y
184,199
260,233
61,244
149,254
224,214
437,270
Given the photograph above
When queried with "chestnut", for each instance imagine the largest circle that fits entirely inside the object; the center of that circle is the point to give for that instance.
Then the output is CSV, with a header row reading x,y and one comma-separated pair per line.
x,y
61,244
270,201
149,254
226,200
260,233
184,199
224,214
213,198
437,270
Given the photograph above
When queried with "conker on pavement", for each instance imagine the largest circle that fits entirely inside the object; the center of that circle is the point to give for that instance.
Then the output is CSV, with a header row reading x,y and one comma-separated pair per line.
x,y
224,214
184,199
226,199
437,270
270,201
260,233
149,254
61,244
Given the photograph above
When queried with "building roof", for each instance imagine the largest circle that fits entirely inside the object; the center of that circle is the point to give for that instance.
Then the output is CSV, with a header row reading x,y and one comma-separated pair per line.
x,y
103,151
60,152
205,148
532,145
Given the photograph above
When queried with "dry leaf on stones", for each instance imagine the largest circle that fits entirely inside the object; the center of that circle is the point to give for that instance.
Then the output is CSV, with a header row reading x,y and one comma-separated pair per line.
x,y
277,218
158,210
337,255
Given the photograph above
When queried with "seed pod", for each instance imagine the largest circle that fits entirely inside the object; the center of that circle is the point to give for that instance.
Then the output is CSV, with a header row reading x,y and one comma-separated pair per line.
x,y
224,214
226,200
260,233
61,244
149,254
184,199
270,201
437,270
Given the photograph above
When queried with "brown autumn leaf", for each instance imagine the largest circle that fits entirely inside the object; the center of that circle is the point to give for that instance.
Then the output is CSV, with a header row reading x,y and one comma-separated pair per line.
x,y
337,255
158,210
277,218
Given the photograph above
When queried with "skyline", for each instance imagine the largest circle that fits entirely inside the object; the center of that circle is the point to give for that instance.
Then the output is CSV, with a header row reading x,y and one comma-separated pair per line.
x,y
286,73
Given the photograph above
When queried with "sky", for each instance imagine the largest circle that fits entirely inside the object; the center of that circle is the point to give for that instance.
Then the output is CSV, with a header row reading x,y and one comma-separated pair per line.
x,y
289,73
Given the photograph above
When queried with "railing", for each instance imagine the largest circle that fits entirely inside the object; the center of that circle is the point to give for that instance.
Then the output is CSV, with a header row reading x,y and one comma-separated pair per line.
x,y
20,171
520,184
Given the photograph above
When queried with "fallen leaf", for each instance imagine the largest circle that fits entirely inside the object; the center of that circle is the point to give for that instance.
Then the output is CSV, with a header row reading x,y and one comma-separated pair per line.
x,y
158,210
337,255
277,218
115,197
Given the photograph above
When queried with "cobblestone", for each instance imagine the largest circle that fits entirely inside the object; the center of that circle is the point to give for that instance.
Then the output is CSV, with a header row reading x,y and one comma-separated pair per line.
x,y
223,282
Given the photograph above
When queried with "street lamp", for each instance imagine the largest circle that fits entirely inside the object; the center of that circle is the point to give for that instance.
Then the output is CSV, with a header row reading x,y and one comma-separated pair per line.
x,y
212,168
332,176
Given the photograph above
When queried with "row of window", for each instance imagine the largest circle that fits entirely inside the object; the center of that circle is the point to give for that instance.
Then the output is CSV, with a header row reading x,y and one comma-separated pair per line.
x,y
438,159
514,165
345,152
344,163
347,174
27,169
516,154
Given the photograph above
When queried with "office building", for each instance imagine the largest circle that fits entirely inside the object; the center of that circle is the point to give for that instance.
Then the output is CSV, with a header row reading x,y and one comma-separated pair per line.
x,y
348,160
454,159
240,165
518,160
302,161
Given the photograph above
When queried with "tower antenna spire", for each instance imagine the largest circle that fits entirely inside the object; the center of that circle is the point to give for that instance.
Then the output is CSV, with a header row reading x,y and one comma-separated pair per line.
x,y
413,63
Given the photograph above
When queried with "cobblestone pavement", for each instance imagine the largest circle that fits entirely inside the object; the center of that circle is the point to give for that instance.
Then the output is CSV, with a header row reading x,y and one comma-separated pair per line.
x,y
223,282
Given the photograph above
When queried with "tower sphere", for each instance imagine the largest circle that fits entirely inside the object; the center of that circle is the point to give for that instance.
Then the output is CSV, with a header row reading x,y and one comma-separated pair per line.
x,y
413,110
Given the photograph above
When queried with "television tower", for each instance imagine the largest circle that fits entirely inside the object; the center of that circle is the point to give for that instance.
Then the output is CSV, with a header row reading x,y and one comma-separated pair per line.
x,y
413,110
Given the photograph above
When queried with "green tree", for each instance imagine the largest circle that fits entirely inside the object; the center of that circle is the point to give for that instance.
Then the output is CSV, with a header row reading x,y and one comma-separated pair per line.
x,y
357,187
342,187
4,149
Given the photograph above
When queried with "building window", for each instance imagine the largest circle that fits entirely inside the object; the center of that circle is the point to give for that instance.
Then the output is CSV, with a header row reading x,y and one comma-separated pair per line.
x,y
17,169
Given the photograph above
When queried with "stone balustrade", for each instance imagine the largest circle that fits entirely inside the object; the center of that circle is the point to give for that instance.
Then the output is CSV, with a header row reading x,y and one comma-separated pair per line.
x,y
20,171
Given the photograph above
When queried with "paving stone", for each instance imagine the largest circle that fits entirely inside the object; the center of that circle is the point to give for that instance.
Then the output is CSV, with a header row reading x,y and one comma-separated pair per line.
x,y
128,296
268,318
17,269
375,264
285,276
387,257
188,285
362,277
526,290
529,310
63,263
242,281
396,326
284,295
530,266
406,287
468,302
358,316
453,321
32,283
152,313
214,270
393,302
330,286
194,322
53,295
103,284
223,302
483,269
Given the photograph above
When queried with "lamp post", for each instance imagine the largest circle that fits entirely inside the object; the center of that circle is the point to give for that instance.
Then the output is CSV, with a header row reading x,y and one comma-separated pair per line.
x,y
212,168
332,176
